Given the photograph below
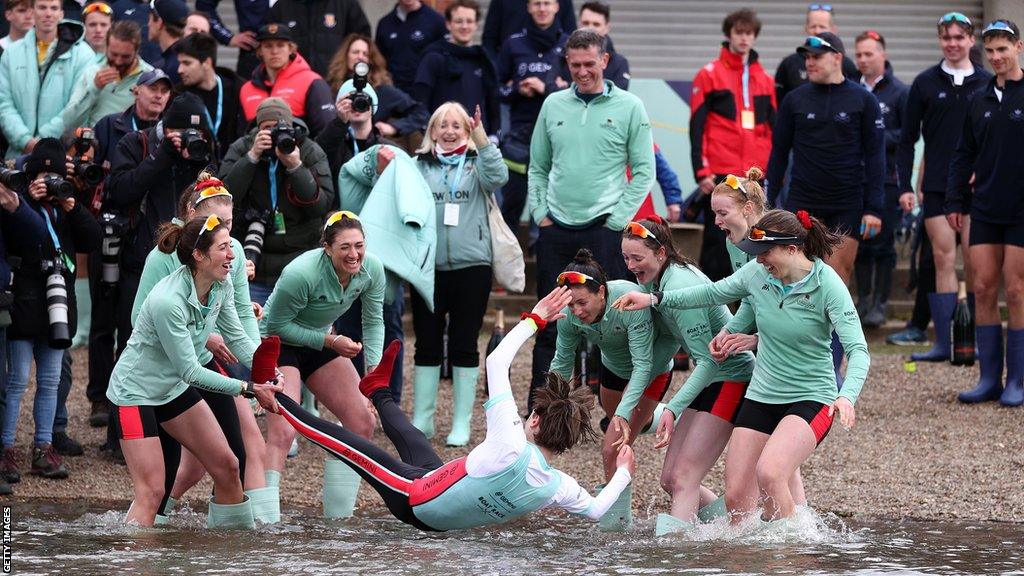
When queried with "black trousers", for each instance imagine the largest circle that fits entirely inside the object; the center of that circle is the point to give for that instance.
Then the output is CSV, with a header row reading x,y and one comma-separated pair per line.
x,y
111,324
513,199
462,296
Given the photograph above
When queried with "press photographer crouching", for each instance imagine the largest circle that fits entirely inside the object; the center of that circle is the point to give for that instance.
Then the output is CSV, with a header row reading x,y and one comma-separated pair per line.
x,y
44,312
282,190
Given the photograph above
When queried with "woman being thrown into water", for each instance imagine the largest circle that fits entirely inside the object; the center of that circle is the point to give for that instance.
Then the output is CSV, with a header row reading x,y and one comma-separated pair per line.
x,y
508,475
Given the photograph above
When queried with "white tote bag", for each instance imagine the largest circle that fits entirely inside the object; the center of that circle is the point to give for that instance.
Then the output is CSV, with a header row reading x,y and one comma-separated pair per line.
x,y
506,255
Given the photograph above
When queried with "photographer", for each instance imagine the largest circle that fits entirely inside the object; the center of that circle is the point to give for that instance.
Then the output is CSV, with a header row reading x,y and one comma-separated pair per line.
x,y
152,92
353,130
282,184
44,315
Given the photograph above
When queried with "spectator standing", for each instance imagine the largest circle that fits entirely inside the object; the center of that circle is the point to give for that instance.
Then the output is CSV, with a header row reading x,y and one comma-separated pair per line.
x,y
402,36
197,22
528,72
106,87
577,201
166,27
453,69
251,17
876,257
598,17
984,181
792,71
138,11
37,76
320,26
98,17
217,87
284,73
20,16
508,17
936,108
732,112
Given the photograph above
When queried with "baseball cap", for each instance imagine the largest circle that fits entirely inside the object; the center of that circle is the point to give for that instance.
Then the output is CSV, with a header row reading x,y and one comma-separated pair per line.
x,y
821,44
274,31
152,77
171,11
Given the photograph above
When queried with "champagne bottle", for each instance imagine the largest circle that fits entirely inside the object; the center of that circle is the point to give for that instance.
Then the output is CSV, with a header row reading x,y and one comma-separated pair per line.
x,y
962,331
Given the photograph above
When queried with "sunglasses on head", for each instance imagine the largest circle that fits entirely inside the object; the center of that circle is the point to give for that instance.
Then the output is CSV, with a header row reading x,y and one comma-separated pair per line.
x,y
759,235
735,183
817,7
338,216
950,17
574,279
212,221
815,42
639,230
101,7
210,189
998,26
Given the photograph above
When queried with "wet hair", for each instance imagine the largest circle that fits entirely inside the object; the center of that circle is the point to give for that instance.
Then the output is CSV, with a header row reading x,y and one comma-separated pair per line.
x,y
819,241
750,190
461,115
657,226
741,20
182,240
598,8
584,263
191,194
338,72
199,46
564,408
329,234
452,6
584,38
126,31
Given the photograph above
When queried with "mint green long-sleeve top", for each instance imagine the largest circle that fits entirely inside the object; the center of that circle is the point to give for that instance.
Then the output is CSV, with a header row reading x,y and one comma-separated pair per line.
x,y
309,297
743,320
159,266
161,360
626,340
795,324
692,328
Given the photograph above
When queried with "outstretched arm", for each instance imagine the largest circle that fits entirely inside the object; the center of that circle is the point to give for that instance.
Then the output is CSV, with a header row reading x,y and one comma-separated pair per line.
x,y
575,499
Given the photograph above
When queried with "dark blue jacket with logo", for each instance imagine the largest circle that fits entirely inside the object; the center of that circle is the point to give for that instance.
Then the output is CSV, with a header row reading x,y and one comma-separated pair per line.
x,y
464,74
508,17
403,42
935,108
892,98
523,57
836,134
989,148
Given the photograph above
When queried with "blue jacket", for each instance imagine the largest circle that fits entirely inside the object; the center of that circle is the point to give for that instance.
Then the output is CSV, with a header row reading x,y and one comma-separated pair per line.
x,y
402,42
524,55
138,11
508,17
111,128
32,98
892,99
252,15
464,74
837,137
667,179
27,226
936,109
397,212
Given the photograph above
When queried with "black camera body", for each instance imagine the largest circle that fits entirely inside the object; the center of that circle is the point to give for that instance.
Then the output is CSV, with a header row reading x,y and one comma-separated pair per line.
x,y
58,187
14,179
361,101
282,135
197,146
57,306
89,173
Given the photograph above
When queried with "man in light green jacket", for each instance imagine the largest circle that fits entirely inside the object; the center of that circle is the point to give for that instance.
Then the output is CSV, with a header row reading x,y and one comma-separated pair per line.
x,y
585,140
37,75
105,87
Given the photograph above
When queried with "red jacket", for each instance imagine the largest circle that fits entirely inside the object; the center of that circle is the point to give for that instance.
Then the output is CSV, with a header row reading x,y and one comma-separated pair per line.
x,y
306,93
719,143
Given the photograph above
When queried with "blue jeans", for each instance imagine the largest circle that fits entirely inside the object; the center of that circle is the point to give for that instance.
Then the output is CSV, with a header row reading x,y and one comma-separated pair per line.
x,y
351,324
260,293
48,364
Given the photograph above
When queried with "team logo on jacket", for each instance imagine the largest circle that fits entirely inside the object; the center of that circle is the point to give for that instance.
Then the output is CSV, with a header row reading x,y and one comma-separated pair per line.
x,y
803,74
843,118
330,21
1017,115
416,36
988,114
942,95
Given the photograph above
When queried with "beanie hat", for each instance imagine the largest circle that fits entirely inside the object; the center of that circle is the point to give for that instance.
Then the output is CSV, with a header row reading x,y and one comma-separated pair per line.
x,y
47,156
273,109
186,111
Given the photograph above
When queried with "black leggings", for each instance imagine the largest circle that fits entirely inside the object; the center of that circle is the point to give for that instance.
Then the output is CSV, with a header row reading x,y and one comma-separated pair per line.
x,y
461,295
391,478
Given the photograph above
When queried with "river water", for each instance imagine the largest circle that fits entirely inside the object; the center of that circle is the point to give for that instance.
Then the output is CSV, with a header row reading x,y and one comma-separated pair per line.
x,y
84,538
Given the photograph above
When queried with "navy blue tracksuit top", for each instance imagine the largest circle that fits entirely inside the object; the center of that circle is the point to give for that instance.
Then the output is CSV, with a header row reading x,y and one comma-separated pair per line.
x,y
989,147
892,98
936,108
402,42
836,134
464,74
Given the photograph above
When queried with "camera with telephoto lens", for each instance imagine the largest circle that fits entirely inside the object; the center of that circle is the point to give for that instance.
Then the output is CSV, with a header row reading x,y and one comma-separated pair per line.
x,y
252,245
114,227
58,187
89,173
361,101
282,135
57,304
197,146
14,179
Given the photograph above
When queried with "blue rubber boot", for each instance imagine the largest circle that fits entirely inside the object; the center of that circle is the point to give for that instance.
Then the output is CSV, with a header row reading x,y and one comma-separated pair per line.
x,y
837,360
463,399
164,516
424,399
652,426
942,305
273,477
989,345
341,486
712,511
1013,394
266,504
668,524
231,516
619,518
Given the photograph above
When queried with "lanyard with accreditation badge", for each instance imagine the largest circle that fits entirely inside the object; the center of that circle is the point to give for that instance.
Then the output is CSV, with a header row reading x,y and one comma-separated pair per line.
x,y
451,209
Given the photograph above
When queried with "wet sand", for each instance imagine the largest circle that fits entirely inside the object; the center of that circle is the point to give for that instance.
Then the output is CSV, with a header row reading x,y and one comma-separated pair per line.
x,y
914,452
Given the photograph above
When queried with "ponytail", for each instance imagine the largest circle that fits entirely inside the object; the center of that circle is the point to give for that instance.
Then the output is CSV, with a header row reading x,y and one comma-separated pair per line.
x,y
183,240
585,263
818,241
743,190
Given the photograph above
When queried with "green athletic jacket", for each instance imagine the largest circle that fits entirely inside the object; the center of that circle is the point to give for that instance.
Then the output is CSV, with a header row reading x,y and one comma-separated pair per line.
x,y
794,357
693,329
308,298
159,266
161,360
578,158
626,340
743,321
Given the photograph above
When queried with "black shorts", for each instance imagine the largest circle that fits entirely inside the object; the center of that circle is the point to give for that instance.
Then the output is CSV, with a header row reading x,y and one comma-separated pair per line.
x,y
655,390
137,422
306,360
842,222
933,203
989,233
765,417
722,399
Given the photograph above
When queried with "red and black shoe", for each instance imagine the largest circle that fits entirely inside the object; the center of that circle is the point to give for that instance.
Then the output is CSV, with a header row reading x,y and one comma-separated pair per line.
x,y
380,377
264,360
